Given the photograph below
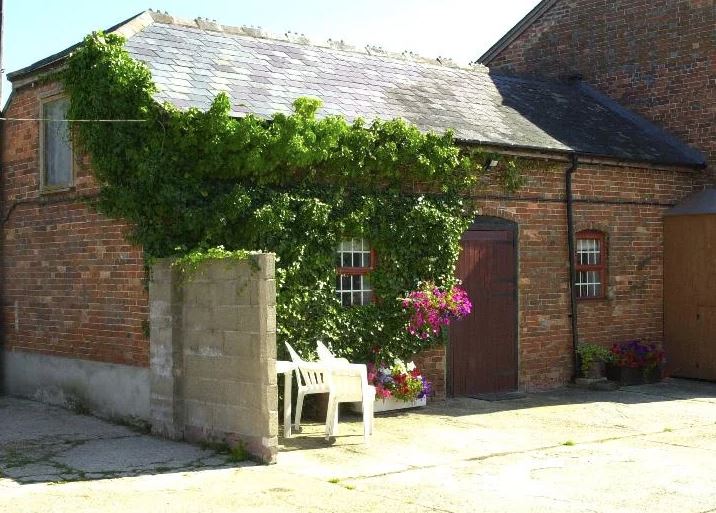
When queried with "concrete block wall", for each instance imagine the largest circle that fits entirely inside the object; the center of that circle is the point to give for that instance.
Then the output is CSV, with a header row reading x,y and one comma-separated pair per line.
x,y
213,353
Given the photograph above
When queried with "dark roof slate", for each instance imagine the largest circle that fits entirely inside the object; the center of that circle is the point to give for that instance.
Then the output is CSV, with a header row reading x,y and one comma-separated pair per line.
x,y
191,63
699,203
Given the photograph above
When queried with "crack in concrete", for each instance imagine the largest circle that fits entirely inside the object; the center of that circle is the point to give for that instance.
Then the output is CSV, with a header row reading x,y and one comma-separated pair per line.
x,y
682,445
46,450
708,400
511,453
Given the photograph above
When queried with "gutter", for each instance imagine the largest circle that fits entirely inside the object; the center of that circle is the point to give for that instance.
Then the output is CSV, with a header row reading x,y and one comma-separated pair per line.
x,y
569,172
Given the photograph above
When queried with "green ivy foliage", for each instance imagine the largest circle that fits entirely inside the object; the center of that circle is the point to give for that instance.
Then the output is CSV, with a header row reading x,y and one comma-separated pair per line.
x,y
295,185
189,263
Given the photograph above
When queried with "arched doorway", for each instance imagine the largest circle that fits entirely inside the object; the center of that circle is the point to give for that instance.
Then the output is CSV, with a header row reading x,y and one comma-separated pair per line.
x,y
483,346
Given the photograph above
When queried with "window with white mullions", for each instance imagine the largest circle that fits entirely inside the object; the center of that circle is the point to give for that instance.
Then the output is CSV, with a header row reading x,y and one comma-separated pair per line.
x,y
354,289
588,251
354,262
591,265
588,284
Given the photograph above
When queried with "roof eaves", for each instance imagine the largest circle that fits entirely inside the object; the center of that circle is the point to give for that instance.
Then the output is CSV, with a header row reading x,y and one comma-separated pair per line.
x,y
47,62
515,31
591,157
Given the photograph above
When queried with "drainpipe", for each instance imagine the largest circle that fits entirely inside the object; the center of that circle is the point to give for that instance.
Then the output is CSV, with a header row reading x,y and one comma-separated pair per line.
x,y
572,264
2,209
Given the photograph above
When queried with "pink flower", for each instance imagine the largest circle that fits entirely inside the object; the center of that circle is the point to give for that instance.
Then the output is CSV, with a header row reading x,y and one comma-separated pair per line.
x,y
432,307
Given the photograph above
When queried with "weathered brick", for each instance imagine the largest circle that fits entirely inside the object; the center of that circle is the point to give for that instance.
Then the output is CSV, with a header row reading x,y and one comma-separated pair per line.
x,y
655,57
74,285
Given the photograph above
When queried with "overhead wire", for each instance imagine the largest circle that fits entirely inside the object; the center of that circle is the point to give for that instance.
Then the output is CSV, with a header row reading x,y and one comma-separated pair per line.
x,y
77,120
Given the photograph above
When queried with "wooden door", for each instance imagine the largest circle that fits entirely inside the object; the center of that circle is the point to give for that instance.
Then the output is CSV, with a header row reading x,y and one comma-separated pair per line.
x,y
483,346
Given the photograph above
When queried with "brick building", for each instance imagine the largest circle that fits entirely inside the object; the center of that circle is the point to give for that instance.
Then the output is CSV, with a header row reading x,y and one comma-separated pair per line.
x,y
655,58
74,302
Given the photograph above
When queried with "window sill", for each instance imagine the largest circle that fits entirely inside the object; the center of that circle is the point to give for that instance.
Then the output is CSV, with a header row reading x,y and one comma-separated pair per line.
x,y
56,189
591,299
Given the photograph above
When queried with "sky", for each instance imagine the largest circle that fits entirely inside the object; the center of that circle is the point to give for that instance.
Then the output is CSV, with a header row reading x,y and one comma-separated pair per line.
x,y
459,29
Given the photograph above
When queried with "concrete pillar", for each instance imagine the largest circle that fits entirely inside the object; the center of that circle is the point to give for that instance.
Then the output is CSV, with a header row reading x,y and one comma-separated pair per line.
x,y
213,350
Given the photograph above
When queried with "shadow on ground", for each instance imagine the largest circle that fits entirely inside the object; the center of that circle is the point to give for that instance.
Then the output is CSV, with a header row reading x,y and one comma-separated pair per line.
x,y
41,443
667,390
564,402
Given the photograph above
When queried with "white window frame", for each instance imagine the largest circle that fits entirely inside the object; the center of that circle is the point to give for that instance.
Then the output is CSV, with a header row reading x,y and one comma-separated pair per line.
x,y
598,268
361,271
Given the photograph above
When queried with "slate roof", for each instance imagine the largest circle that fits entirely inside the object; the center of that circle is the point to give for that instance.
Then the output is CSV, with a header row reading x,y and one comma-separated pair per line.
x,y
700,203
193,61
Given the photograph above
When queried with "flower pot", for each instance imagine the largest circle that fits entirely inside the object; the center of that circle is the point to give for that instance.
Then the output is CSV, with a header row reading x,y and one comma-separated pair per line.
x,y
633,375
595,370
390,404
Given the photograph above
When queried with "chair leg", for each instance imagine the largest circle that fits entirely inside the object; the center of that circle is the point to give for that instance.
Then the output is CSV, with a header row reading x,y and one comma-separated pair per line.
x,y
299,410
367,419
335,419
331,416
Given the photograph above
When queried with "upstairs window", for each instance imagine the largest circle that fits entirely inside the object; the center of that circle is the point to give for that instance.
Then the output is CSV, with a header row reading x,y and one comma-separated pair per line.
x,y
591,268
55,145
354,262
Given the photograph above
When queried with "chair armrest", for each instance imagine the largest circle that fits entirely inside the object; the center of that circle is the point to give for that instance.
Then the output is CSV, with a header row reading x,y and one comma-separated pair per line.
x,y
340,368
314,366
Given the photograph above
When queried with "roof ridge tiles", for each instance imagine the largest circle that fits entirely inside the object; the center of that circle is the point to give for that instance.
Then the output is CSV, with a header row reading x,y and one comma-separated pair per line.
x,y
301,39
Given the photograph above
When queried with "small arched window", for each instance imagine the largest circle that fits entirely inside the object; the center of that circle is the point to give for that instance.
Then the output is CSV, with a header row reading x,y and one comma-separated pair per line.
x,y
354,262
591,264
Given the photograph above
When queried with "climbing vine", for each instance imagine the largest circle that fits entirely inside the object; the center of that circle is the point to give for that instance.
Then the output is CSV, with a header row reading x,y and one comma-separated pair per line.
x,y
189,263
295,185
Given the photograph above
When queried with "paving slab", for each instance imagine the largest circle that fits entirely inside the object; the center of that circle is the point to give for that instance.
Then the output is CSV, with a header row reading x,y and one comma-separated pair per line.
x,y
648,448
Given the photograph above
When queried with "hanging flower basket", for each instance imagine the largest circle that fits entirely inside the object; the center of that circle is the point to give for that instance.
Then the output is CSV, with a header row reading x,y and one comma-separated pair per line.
x,y
431,307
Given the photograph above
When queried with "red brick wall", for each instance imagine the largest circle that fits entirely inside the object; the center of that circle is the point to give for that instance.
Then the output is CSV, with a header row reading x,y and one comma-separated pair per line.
x,y
628,206
73,286
433,366
655,57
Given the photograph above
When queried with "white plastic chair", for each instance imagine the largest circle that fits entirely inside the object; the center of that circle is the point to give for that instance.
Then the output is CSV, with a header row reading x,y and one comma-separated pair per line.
x,y
311,377
348,383
325,354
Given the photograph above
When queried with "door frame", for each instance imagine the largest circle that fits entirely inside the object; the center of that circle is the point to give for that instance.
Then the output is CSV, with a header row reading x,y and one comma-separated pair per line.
x,y
493,223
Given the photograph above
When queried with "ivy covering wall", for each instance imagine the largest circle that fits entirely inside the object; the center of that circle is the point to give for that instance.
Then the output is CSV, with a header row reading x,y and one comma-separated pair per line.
x,y
294,185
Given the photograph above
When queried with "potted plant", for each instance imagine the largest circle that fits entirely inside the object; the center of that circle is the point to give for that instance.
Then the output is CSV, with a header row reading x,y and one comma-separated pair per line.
x,y
592,360
634,362
400,385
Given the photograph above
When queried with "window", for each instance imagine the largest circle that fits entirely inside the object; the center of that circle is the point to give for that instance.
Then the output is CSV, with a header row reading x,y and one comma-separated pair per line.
x,y
591,264
354,262
55,145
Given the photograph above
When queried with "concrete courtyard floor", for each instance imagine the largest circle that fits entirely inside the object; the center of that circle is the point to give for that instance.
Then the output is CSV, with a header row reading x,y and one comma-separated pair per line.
x,y
647,448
